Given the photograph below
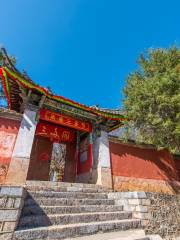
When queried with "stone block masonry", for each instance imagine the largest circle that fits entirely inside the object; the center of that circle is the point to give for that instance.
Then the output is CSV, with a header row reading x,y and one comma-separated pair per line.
x,y
165,215
159,213
11,203
137,202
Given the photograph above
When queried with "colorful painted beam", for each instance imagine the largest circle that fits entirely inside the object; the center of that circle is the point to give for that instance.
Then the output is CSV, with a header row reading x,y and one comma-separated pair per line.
x,y
6,73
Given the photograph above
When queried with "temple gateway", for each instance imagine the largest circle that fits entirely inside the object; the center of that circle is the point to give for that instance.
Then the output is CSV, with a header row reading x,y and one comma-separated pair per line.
x,y
65,172
57,139
45,137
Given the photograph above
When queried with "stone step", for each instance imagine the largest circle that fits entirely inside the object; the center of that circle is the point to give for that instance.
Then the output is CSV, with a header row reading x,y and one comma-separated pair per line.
x,y
49,184
118,238
73,230
135,234
50,194
66,201
66,189
39,210
60,219
97,237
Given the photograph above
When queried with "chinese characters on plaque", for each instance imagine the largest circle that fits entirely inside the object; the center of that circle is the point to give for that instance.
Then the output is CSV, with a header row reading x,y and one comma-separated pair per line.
x,y
65,120
55,133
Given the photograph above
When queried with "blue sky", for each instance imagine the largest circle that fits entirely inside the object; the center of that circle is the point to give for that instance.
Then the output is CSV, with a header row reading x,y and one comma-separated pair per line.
x,y
84,49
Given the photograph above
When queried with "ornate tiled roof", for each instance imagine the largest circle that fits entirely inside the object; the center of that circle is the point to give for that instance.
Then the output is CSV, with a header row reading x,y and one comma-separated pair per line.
x,y
109,110
10,114
14,82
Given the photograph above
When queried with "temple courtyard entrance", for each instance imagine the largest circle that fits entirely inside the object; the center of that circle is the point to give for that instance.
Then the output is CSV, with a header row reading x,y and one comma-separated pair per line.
x,y
59,152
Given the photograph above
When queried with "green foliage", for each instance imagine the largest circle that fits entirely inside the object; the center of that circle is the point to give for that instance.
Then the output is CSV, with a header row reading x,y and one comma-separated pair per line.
x,y
152,98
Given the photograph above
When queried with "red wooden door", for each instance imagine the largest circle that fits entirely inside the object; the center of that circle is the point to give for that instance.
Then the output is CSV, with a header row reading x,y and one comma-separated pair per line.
x,y
40,159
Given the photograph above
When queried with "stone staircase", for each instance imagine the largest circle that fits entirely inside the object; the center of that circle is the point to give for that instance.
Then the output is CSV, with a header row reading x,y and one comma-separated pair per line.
x,y
65,210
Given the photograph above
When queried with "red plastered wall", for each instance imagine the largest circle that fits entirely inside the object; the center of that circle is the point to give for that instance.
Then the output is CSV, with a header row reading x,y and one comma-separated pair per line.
x,y
8,133
133,161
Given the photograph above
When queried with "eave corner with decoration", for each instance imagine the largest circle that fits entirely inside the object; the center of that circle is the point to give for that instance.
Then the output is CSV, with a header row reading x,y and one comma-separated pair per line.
x,y
20,90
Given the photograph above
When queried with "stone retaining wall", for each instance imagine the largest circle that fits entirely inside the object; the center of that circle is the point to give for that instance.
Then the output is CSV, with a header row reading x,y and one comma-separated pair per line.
x,y
11,203
165,215
160,213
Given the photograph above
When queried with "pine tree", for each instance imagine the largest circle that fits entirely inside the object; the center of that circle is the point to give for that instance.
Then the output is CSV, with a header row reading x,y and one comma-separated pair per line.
x,y
152,98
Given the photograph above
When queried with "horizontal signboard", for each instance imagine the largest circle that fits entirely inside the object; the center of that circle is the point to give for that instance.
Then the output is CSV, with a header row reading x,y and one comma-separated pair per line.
x,y
55,133
65,120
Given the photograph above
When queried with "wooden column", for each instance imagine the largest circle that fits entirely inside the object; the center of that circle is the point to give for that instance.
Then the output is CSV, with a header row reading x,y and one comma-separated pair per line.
x,y
77,151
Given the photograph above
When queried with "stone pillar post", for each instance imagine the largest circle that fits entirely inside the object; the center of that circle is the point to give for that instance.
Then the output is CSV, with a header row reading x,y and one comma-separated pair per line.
x,y
101,165
19,164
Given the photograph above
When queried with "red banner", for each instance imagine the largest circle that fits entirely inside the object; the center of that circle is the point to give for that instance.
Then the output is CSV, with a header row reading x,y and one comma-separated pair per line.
x,y
55,133
65,120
